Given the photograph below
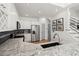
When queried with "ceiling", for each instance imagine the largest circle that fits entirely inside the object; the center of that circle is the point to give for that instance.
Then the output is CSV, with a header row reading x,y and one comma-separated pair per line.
x,y
37,9
74,6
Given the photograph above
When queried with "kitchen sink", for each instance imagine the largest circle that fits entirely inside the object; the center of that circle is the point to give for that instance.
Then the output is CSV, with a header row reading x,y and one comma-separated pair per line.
x,y
50,45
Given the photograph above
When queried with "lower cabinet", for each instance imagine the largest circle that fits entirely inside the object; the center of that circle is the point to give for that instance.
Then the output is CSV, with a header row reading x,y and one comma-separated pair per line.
x,y
4,38
27,37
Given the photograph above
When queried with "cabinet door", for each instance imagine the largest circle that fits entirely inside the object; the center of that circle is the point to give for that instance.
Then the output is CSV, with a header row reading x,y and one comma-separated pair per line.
x,y
27,37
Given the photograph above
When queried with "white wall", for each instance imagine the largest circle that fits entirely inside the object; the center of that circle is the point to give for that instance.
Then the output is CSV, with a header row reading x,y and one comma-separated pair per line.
x,y
74,13
64,14
26,22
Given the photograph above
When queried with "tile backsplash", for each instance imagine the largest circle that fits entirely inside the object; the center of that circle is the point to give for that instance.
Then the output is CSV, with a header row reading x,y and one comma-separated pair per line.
x,y
3,17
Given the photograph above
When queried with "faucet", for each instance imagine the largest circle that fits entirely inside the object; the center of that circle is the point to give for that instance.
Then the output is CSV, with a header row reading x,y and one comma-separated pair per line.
x,y
57,36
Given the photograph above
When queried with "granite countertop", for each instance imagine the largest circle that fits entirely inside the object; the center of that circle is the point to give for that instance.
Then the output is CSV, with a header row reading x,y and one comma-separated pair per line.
x,y
62,50
16,47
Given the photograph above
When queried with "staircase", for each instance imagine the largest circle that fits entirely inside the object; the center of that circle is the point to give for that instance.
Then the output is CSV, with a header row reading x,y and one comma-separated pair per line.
x,y
73,31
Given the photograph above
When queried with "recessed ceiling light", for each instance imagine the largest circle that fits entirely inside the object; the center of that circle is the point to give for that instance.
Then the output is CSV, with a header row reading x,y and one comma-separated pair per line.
x,y
56,10
39,11
43,19
26,15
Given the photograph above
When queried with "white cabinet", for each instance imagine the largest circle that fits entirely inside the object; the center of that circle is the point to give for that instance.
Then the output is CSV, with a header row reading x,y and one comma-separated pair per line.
x,y
27,37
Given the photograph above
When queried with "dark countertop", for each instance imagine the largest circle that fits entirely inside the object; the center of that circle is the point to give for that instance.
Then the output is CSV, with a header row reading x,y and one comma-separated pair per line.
x,y
15,31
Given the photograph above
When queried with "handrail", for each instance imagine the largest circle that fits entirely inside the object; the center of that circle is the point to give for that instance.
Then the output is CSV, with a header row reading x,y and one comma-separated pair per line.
x,y
74,21
75,30
74,18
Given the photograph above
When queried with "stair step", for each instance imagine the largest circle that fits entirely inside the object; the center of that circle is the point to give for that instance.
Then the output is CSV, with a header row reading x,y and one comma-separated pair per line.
x,y
77,37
